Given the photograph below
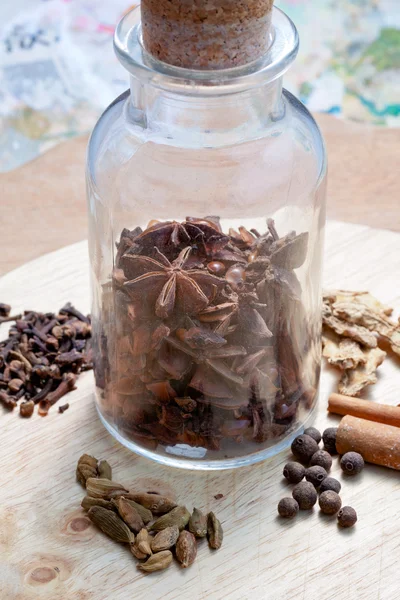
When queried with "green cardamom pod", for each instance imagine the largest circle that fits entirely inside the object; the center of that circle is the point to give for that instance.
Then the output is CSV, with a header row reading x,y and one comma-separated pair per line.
x,y
129,514
143,541
104,470
157,562
198,523
178,517
111,524
186,548
137,553
145,513
154,502
88,502
86,468
214,531
103,488
165,539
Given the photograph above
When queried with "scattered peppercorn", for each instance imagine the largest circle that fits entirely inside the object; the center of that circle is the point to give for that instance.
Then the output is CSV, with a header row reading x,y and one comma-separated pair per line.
x,y
294,472
303,447
330,502
329,439
288,508
330,483
305,495
314,433
347,516
321,459
352,463
316,475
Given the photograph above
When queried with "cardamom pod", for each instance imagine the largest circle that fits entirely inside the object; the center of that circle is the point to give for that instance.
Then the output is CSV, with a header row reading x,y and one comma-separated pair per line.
x,y
138,553
146,514
165,539
154,502
88,502
186,548
214,531
198,523
129,514
157,562
143,541
102,488
178,517
104,469
86,468
111,524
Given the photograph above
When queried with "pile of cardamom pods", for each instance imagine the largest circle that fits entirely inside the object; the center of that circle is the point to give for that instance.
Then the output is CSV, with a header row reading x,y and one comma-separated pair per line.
x,y
132,518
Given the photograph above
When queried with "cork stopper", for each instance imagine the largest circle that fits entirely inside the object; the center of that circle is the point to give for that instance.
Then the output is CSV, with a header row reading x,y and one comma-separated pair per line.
x,y
206,34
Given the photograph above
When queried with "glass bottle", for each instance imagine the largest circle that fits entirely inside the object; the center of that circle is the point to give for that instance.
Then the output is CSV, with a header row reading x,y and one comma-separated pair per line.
x,y
206,194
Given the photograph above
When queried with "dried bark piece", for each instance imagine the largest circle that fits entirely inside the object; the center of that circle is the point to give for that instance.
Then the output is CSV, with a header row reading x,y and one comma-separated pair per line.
x,y
356,332
365,298
355,380
374,321
344,354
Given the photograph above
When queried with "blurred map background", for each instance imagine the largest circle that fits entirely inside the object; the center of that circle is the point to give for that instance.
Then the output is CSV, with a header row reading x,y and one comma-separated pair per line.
x,y
58,70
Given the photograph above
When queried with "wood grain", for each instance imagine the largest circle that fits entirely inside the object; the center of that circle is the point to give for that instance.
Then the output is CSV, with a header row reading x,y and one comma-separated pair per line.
x,y
45,199
49,551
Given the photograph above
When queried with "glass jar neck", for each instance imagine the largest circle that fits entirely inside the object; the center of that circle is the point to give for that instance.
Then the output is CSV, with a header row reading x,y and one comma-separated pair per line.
x,y
205,107
204,120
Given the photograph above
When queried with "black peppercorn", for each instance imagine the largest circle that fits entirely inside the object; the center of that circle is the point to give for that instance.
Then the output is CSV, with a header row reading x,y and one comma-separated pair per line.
x,y
321,459
330,483
352,463
294,472
288,508
347,516
303,447
314,433
305,495
329,502
316,475
329,438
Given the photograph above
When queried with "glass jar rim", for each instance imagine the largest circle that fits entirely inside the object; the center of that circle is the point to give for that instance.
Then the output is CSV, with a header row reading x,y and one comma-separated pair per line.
x,y
282,50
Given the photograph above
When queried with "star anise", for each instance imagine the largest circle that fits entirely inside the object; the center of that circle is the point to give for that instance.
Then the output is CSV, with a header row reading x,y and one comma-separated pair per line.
x,y
163,235
212,376
169,285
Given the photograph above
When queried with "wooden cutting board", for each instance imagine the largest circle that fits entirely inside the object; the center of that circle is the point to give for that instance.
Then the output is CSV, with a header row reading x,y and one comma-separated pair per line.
x,y
50,551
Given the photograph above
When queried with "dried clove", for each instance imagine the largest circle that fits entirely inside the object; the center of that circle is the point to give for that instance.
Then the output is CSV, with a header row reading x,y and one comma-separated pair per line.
x,y
42,357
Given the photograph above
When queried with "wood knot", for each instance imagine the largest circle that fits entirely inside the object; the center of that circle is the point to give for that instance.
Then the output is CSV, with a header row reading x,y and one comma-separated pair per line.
x,y
77,526
42,575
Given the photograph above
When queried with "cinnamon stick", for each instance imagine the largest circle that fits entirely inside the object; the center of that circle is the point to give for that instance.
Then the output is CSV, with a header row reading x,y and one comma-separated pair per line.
x,y
377,443
364,409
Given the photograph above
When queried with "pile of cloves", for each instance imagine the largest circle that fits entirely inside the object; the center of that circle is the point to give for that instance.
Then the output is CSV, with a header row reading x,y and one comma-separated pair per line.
x,y
42,357
132,518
